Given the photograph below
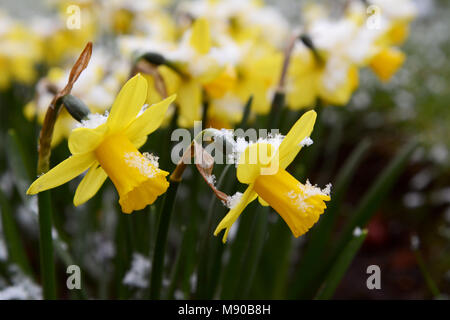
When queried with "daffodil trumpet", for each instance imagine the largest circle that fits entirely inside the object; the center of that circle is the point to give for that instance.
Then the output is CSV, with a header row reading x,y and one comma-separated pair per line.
x,y
263,167
107,146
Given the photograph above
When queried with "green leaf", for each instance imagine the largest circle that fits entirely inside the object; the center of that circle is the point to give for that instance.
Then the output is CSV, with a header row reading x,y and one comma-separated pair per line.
x,y
431,284
247,109
16,163
305,281
239,245
156,275
374,197
16,249
210,258
341,265
254,251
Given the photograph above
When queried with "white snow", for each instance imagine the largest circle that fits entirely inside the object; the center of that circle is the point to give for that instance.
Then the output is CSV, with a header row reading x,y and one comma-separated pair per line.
x,y
137,276
233,200
94,120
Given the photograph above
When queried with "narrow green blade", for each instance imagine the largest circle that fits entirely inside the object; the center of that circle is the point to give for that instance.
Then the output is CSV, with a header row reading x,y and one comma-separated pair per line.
x,y
341,265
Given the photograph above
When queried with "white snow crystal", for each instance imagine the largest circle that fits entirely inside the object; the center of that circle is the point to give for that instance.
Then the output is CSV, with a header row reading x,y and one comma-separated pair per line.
x,y
22,288
154,160
233,200
211,179
94,120
415,242
307,191
135,160
137,276
357,232
306,142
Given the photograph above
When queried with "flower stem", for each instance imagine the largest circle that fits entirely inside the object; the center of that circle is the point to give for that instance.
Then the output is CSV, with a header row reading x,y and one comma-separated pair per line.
x,y
46,245
44,203
161,240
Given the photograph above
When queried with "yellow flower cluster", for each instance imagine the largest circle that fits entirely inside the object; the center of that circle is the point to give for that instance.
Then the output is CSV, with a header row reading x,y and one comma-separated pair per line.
x,y
216,52
207,53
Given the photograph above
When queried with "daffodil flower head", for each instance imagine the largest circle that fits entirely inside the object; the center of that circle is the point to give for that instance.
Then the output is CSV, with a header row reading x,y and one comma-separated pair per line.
x,y
263,167
108,145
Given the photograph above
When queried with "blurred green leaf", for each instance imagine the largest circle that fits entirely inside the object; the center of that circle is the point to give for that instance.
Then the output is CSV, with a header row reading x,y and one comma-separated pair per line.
x,y
238,250
17,163
305,281
374,197
431,284
16,249
341,265
254,251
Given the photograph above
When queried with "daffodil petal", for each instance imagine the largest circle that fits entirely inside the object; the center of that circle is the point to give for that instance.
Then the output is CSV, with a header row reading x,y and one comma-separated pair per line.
x,y
232,215
63,172
190,102
149,120
128,103
90,184
257,159
200,37
83,140
139,142
291,144
263,202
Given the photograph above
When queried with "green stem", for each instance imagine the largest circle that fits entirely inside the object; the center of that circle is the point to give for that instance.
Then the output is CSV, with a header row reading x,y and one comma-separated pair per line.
x,y
161,240
46,245
204,276
275,110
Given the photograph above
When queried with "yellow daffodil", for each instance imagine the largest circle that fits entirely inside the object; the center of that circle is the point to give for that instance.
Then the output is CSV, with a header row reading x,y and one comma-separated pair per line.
x,y
203,72
108,146
259,73
19,54
386,63
197,58
263,167
332,79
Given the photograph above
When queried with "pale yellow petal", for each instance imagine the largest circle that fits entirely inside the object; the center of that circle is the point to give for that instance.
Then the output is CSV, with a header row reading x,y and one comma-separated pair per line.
x,y
290,146
149,120
386,63
128,103
190,103
63,172
232,215
200,37
257,159
90,184
83,140
139,142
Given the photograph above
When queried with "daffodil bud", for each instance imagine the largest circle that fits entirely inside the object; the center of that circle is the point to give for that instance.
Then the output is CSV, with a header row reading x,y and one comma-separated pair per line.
x,y
154,58
307,41
77,109
158,60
